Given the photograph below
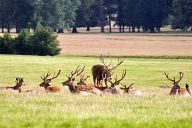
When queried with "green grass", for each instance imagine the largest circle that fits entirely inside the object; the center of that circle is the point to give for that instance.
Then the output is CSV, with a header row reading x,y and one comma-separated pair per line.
x,y
154,109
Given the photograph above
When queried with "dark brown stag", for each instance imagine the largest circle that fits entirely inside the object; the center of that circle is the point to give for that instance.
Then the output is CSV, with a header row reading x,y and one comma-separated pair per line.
x,y
103,72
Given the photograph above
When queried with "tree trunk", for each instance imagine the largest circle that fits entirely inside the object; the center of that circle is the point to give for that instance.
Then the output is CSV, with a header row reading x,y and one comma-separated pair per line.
x,y
133,29
74,29
60,30
138,29
88,28
110,30
102,18
123,28
191,28
18,29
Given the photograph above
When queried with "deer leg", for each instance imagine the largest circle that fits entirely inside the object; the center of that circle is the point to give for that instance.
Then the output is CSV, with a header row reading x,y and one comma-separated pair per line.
x,y
106,83
94,80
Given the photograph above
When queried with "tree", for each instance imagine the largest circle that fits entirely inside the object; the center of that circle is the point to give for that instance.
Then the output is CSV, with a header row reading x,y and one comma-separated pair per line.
x,y
182,12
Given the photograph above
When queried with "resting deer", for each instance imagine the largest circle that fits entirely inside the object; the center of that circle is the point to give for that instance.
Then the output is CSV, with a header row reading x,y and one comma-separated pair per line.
x,y
114,89
83,80
19,83
46,82
98,71
176,89
81,89
130,90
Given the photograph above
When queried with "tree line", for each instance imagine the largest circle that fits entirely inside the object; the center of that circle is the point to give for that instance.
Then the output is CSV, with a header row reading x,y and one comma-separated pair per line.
x,y
136,15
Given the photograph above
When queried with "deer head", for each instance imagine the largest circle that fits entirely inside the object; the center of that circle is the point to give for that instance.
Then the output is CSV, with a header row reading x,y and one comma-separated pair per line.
x,y
127,89
175,89
73,75
46,80
117,81
19,82
83,80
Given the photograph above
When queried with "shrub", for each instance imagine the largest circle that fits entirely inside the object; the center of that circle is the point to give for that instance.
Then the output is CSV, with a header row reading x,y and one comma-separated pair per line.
x,y
22,44
7,45
44,42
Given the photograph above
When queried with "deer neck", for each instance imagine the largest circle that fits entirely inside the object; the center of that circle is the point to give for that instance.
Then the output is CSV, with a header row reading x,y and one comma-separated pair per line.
x,y
17,87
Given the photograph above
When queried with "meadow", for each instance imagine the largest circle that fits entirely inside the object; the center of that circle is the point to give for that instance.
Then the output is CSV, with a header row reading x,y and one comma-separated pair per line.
x,y
154,109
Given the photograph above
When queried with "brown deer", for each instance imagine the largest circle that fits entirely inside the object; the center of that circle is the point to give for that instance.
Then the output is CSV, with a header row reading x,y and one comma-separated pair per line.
x,y
176,89
19,83
130,90
83,80
79,89
98,71
114,89
46,82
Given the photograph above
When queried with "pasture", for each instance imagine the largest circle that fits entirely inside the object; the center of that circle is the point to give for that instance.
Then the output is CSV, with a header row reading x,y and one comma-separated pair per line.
x,y
154,109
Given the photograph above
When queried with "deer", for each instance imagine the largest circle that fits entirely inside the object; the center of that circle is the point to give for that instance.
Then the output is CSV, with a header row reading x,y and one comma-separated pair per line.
x,y
79,89
19,83
100,70
130,90
114,89
176,89
46,82
83,80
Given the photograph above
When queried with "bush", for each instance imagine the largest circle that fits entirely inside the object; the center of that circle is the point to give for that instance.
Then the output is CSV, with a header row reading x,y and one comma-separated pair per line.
x,y
7,45
44,42
22,44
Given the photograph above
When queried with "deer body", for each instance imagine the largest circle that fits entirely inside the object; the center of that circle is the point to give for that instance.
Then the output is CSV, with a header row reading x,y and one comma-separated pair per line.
x,y
19,83
176,89
80,89
46,83
103,72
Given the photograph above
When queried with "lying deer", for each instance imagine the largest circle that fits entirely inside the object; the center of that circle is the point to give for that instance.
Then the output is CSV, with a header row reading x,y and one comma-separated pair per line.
x,y
176,89
98,71
46,82
130,90
80,89
19,83
114,89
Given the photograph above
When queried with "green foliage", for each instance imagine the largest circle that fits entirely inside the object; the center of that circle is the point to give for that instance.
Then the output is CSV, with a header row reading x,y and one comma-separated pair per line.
x,y
22,44
44,42
7,44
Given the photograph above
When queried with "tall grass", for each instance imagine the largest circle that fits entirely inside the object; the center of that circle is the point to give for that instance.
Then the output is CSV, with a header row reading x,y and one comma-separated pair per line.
x,y
154,109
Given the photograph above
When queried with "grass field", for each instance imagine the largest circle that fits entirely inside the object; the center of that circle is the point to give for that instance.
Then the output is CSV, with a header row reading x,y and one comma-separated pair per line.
x,y
154,109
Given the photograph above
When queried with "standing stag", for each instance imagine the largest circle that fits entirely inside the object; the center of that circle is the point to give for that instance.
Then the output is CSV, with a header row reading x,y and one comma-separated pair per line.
x,y
176,89
19,83
46,82
103,72
82,89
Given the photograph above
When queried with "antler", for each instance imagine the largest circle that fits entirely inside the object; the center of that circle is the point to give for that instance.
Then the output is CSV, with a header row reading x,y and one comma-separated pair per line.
x,y
173,80
122,77
55,76
48,74
126,86
77,71
119,63
167,75
45,76
180,77
102,61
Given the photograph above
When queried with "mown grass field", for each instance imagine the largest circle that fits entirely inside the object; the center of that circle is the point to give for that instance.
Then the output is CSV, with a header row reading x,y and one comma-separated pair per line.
x,y
154,109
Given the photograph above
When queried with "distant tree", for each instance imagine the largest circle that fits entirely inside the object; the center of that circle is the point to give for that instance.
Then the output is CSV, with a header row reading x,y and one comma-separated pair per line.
x,y
182,12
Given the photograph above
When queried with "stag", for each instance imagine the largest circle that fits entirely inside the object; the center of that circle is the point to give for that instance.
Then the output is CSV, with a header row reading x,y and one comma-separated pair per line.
x,y
114,89
79,89
19,83
130,90
103,72
46,82
176,89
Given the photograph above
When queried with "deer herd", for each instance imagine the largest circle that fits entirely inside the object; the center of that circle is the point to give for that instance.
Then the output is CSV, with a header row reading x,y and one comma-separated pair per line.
x,y
100,73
